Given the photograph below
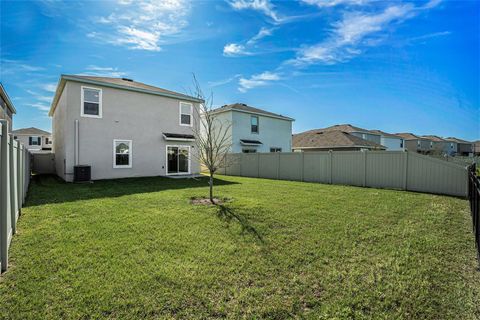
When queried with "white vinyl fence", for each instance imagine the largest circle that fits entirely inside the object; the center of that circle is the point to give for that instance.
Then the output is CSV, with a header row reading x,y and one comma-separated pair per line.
x,y
14,180
379,169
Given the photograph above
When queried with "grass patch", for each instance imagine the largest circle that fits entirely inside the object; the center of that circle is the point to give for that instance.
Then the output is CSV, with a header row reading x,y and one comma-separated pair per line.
x,y
137,248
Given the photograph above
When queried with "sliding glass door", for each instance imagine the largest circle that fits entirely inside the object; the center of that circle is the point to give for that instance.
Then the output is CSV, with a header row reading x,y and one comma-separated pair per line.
x,y
178,160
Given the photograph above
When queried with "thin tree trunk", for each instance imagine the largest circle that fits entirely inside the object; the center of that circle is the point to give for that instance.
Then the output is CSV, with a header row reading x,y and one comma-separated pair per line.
x,y
211,187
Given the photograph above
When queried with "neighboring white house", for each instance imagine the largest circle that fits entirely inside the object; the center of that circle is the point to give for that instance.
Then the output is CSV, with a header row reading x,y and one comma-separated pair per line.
x,y
391,141
34,139
256,130
122,128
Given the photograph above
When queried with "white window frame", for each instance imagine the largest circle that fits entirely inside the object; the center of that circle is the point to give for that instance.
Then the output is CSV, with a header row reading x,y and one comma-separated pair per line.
x,y
189,160
258,124
130,154
180,114
275,148
100,96
35,138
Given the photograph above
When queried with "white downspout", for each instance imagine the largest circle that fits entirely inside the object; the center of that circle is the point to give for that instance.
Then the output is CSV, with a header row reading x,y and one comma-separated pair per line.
x,y
76,142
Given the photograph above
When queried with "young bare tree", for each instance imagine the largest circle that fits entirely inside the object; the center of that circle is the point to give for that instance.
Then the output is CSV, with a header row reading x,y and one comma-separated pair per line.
x,y
212,136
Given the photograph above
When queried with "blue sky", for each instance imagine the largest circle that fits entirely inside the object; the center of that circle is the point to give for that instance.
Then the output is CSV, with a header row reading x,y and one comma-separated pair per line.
x,y
392,65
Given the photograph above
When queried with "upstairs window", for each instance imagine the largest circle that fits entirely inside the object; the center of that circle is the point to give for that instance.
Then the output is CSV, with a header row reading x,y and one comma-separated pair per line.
x,y
34,141
401,143
275,149
122,153
91,102
186,114
249,151
254,124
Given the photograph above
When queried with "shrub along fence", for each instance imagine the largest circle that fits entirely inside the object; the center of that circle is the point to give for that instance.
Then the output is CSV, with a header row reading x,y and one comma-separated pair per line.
x,y
14,180
378,169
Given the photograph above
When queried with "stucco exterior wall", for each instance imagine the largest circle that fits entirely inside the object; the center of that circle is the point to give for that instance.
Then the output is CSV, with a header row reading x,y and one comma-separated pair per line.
x,y
273,132
126,115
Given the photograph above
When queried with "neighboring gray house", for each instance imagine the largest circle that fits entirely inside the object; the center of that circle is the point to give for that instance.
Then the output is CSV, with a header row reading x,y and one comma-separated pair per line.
x,y
390,141
122,128
356,131
256,130
415,143
463,148
7,110
337,140
438,145
34,139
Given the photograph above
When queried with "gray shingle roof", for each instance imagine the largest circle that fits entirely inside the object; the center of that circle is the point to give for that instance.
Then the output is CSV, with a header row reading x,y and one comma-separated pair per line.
x,y
331,139
245,108
128,83
31,131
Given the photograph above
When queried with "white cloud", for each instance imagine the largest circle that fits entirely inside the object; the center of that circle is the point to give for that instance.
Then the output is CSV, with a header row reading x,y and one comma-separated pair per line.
x,y
223,81
258,80
13,66
263,6
350,34
39,106
233,49
50,87
431,35
144,25
264,32
333,3
93,70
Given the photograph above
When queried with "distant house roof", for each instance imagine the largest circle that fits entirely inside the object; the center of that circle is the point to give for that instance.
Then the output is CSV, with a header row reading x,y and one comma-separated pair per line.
x,y
118,83
410,136
386,134
453,139
433,138
331,139
31,131
6,98
345,128
242,107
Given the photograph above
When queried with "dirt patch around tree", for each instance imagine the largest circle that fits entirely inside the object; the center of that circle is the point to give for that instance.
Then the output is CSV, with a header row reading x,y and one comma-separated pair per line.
x,y
206,201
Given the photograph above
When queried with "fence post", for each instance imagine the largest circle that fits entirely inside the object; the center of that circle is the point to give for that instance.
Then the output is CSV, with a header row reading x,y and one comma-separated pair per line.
x,y
278,165
365,168
258,165
12,173
405,171
19,177
4,196
331,165
303,166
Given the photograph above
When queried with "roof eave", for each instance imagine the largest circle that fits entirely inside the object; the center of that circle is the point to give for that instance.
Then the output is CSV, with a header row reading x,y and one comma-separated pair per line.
x,y
65,78
251,112
7,100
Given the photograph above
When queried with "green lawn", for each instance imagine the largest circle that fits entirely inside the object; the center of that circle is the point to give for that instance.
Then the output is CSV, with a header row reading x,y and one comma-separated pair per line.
x,y
136,248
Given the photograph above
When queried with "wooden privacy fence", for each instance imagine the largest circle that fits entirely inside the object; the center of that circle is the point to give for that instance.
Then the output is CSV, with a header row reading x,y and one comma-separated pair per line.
x,y
378,169
14,180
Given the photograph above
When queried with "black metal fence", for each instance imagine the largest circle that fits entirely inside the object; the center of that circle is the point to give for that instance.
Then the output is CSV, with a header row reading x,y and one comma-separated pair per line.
x,y
474,197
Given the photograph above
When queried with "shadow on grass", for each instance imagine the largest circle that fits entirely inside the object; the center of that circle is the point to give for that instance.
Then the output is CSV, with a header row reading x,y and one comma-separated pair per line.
x,y
228,214
50,189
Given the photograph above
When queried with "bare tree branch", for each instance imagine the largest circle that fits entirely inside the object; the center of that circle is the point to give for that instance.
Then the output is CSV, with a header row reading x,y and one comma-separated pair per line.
x,y
212,135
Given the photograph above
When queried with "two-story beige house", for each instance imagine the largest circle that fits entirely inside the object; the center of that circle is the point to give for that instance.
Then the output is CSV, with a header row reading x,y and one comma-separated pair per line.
x,y
34,139
122,128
